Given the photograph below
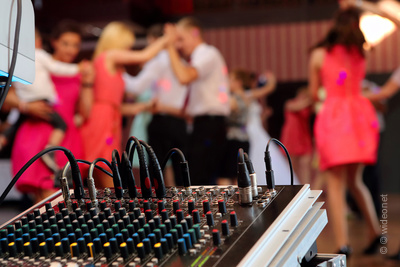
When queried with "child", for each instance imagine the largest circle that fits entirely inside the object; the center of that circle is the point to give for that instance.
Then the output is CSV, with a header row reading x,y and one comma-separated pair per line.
x,y
237,135
296,134
43,90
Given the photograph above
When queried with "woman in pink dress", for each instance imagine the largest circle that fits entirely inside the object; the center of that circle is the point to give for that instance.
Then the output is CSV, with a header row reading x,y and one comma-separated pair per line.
x,y
32,136
346,128
102,131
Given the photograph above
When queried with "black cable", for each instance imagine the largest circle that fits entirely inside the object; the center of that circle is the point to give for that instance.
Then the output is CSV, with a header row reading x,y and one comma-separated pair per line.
x,y
126,170
93,165
267,159
184,166
170,153
155,172
248,162
76,175
15,53
115,164
145,183
90,172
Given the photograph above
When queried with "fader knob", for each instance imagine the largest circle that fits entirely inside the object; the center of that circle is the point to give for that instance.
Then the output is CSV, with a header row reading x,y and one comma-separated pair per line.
x,y
123,248
146,205
206,206
222,206
48,205
179,215
147,245
175,205
234,221
210,218
189,221
61,205
131,205
28,249
225,227
12,249
182,246
149,215
89,205
59,249
164,215
196,216
107,250
103,205
74,250
191,206
161,206
43,249
216,237
117,205
141,251
188,240
164,245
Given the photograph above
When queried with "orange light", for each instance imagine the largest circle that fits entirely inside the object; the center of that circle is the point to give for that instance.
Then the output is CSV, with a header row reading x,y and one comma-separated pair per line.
x,y
375,28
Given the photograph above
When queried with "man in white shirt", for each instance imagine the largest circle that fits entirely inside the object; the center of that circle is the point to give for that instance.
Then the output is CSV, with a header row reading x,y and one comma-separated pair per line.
x,y
207,100
167,128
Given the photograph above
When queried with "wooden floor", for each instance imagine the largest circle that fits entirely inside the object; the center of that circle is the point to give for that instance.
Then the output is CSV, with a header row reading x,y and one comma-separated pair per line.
x,y
358,239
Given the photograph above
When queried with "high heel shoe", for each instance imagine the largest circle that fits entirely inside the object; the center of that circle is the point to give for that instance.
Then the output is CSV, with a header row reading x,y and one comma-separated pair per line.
x,y
374,246
346,250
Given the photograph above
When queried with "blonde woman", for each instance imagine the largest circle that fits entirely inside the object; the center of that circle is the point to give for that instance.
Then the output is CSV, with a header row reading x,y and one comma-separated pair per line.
x,y
103,106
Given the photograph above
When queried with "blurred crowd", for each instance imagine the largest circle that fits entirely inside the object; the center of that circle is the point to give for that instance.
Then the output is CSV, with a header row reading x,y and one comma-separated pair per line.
x,y
186,97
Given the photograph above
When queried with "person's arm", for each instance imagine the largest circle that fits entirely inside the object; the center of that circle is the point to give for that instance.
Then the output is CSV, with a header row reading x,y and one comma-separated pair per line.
x,y
56,67
184,74
39,109
128,57
86,101
267,89
298,105
86,98
390,88
135,108
161,108
314,80
151,71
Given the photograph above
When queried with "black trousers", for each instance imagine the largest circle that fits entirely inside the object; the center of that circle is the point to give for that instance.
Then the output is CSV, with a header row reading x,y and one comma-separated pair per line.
x,y
230,158
206,148
166,132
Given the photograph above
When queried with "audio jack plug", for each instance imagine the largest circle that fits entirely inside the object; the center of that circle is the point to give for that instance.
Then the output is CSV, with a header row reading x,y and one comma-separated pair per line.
x,y
90,180
269,173
252,174
65,192
244,183
65,188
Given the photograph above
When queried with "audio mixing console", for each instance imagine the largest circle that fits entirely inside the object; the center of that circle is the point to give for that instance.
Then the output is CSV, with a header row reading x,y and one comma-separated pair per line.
x,y
191,226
